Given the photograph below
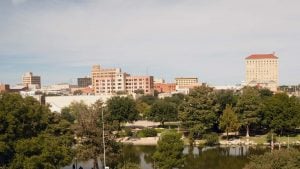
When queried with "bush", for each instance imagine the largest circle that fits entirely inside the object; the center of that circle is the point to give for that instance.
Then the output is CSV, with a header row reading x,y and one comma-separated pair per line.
x,y
128,132
211,139
147,132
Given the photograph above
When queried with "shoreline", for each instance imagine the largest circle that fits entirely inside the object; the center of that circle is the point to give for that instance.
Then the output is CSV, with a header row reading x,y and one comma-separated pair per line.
x,y
152,141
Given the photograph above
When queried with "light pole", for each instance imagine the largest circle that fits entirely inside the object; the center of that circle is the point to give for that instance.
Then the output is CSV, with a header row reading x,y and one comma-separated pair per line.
x,y
104,160
76,162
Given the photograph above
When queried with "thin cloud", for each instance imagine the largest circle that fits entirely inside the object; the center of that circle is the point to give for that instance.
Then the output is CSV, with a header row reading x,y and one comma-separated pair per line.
x,y
208,38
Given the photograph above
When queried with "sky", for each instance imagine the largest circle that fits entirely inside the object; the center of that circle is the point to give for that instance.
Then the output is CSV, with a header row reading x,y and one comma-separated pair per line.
x,y
60,40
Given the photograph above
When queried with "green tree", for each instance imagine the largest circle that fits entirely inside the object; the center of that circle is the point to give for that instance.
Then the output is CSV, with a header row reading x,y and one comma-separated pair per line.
x,y
44,151
24,122
149,99
229,120
122,109
169,151
265,93
177,99
89,130
199,109
143,109
226,97
248,106
163,111
130,166
281,113
278,159
66,114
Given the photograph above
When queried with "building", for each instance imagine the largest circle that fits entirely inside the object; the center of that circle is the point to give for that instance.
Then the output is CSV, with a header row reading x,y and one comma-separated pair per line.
x,y
31,81
58,89
186,82
84,82
165,87
97,73
110,85
111,81
4,88
145,83
57,103
157,80
262,71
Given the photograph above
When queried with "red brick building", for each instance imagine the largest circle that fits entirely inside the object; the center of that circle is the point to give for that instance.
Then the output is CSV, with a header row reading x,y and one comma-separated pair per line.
x,y
165,87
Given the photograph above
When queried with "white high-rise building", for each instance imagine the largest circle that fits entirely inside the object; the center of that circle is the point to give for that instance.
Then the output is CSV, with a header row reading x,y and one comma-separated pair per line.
x,y
262,71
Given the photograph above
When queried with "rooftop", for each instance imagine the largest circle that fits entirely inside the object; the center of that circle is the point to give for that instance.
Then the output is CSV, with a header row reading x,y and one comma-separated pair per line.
x,y
262,56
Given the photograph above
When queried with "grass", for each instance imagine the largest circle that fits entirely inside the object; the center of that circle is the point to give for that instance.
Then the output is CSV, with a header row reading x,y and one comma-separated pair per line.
x,y
261,139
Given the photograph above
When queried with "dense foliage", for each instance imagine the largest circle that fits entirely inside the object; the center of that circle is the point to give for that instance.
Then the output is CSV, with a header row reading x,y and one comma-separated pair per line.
x,y
278,159
169,149
163,111
89,131
147,132
31,136
122,109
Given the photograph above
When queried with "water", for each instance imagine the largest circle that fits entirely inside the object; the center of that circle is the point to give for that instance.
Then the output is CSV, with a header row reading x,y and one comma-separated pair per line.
x,y
196,157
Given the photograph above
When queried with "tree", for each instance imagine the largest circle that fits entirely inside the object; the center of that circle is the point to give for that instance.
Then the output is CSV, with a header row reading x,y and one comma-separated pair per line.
x,y
143,108
199,109
77,92
122,109
139,91
66,114
281,113
278,159
248,106
163,111
229,120
31,136
265,93
226,97
169,151
177,99
130,166
44,151
88,129
149,99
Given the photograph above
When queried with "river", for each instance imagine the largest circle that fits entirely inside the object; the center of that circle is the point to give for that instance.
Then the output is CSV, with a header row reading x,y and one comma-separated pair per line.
x,y
196,157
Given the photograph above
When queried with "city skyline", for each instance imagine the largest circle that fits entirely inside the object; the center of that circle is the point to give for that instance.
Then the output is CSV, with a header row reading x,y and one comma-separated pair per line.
x,y
61,40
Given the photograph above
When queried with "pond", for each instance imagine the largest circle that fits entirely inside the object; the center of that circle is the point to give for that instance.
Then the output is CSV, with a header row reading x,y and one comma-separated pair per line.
x,y
196,157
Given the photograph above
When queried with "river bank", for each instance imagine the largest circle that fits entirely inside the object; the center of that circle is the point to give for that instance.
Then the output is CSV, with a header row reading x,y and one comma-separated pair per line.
x,y
259,140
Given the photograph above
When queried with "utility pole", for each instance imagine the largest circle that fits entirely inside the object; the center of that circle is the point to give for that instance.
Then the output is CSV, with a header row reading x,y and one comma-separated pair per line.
x,y
104,160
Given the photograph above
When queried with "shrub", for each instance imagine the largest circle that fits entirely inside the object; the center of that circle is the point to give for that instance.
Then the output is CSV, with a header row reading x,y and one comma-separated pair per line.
x,y
128,132
211,139
147,132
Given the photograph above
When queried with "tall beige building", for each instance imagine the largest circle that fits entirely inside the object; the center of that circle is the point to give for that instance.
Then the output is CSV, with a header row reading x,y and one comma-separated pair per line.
x,y
98,72
110,81
31,81
189,82
262,71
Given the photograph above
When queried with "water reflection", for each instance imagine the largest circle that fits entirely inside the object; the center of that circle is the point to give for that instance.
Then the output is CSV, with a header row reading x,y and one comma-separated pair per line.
x,y
195,157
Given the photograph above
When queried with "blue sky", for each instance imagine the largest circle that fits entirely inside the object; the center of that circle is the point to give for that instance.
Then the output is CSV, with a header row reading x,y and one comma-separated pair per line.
x,y
61,39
